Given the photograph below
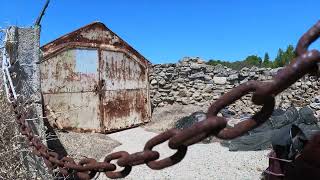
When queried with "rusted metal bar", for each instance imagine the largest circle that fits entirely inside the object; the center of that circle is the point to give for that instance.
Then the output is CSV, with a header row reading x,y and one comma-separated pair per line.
x,y
309,37
38,21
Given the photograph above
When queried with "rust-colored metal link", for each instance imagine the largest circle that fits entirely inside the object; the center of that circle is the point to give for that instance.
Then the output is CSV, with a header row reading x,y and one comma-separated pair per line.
x,y
138,158
63,169
169,161
309,37
263,93
118,174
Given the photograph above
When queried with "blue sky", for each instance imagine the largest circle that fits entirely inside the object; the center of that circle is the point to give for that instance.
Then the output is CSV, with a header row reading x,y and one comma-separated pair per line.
x,y
167,30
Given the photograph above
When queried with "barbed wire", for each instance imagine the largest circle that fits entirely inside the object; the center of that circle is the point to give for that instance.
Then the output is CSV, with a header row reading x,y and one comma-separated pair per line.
x,y
2,35
263,94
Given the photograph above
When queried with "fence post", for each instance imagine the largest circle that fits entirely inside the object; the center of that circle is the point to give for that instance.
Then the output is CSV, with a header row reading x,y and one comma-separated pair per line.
x,y
23,50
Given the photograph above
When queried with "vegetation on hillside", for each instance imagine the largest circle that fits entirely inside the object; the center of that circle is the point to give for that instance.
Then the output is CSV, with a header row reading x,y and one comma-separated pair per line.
x,y
282,58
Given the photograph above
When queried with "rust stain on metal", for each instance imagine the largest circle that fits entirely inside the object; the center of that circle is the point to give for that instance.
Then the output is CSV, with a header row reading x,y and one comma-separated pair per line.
x,y
60,74
118,107
124,109
94,35
105,75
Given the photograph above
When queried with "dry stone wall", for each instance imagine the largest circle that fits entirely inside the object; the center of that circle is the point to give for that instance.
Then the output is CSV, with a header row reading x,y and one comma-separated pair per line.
x,y
191,81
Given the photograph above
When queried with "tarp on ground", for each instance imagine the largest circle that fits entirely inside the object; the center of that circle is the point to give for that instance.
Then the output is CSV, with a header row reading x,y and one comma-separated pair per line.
x,y
260,138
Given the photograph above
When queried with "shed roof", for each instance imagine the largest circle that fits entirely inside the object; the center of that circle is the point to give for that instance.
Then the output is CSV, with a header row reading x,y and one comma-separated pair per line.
x,y
95,35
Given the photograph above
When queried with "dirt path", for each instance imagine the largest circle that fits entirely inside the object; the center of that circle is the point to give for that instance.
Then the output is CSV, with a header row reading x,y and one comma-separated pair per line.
x,y
203,161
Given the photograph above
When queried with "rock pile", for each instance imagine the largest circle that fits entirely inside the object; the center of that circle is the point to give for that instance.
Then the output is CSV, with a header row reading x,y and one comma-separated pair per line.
x,y
191,81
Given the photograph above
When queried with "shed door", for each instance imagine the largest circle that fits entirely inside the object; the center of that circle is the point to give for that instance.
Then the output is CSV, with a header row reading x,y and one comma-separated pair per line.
x,y
124,96
68,83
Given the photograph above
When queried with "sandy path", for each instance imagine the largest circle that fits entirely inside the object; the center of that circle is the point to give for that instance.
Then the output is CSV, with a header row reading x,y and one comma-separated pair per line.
x,y
203,161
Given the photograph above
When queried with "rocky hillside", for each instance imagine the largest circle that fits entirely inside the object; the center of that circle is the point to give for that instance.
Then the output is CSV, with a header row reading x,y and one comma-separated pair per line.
x,y
191,81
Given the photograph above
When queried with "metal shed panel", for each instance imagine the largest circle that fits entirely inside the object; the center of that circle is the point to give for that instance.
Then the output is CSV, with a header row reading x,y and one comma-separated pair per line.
x,y
74,111
124,109
120,71
73,70
125,101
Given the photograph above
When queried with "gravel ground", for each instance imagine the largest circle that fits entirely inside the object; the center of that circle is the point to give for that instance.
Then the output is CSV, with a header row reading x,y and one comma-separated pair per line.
x,y
81,145
202,161
164,118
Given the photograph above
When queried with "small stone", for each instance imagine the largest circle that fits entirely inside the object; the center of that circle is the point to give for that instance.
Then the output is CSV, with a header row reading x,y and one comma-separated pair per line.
x,y
184,101
162,74
243,81
162,82
316,99
169,99
207,78
233,77
170,69
180,80
153,82
308,83
208,88
181,86
197,75
229,86
183,93
220,80
315,106
215,97
167,86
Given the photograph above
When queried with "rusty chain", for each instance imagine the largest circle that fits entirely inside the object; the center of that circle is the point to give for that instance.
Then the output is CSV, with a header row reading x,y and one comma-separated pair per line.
x,y
263,94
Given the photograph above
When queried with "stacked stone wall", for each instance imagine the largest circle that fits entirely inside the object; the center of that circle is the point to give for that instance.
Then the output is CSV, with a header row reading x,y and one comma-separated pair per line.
x,y
191,81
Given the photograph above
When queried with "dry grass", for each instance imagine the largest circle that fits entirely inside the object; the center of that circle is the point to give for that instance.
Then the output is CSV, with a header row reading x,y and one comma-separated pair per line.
x,y
11,166
11,162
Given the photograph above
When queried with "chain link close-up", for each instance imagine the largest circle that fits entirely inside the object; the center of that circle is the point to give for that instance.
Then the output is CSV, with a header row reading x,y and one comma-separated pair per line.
x,y
263,93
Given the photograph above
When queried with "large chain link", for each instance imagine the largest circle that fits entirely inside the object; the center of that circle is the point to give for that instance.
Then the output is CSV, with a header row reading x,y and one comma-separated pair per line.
x,y
263,94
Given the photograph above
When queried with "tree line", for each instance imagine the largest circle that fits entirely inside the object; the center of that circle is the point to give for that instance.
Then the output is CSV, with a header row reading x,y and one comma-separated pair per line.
x,y
283,58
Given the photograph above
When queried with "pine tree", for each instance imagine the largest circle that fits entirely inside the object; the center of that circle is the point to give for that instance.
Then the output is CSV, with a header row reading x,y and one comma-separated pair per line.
x,y
279,61
289,54
266,60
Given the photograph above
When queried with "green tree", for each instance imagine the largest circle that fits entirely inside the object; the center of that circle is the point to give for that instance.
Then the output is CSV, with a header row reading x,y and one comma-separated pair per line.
x,y
289,54
253,60
278,61
266,60
283,58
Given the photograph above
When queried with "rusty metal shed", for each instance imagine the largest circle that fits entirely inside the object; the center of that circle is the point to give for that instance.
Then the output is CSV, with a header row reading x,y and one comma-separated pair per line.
x,y
92,80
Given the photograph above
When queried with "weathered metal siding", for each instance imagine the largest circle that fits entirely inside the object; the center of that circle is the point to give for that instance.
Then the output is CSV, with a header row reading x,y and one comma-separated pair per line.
x,y
125,91
98,77
123,109
69,81
120,71
70,71
75,111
